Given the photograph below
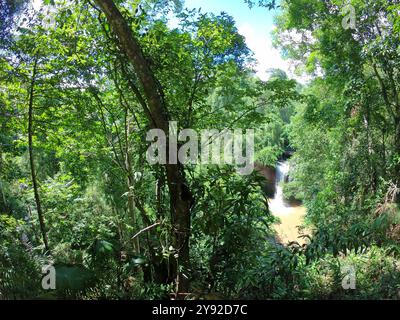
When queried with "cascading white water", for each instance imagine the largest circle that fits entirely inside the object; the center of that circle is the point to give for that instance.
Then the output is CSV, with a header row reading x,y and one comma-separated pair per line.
x,y
290,217
277,205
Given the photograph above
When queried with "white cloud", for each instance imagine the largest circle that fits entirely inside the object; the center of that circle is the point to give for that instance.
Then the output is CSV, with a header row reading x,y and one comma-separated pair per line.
x,y
37,4
268,57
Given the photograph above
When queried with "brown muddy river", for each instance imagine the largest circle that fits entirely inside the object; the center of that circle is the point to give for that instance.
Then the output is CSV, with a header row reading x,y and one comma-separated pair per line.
x,y
291,216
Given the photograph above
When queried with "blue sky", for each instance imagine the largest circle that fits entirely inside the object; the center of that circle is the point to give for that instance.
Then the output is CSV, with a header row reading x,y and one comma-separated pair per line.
x,y
260,18
255,25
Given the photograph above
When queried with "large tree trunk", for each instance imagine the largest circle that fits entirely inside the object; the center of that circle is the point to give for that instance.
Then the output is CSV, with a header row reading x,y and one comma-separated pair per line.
x,y
181,198
32,159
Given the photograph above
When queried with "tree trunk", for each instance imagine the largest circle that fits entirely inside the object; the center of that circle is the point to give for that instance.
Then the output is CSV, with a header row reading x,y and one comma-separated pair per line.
x,y
130,178
397,166
181,197
31,157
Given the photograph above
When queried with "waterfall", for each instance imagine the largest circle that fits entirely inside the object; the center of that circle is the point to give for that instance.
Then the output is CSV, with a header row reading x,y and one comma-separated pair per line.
x,y
277,205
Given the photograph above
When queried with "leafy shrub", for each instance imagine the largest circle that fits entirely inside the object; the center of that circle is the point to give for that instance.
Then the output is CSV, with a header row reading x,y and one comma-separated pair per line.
x,y
19,265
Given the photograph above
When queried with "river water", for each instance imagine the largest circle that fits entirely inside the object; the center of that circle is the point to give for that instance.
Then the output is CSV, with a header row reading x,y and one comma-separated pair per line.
x,y
291,216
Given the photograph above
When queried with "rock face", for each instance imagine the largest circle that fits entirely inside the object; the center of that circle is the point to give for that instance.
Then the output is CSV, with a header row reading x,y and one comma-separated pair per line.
x,y
269,173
